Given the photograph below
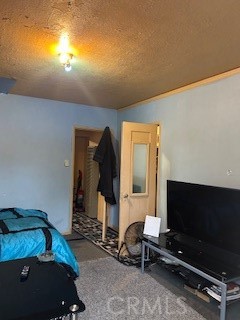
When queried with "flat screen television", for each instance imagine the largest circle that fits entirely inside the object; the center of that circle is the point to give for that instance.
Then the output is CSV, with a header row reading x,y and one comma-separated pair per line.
x,y
206,213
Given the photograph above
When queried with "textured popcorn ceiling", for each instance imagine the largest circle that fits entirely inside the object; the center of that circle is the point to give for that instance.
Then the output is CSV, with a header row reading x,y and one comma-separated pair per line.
x,y
125,51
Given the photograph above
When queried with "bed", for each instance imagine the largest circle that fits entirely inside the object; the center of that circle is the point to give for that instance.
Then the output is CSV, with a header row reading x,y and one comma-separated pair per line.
x,y
27,233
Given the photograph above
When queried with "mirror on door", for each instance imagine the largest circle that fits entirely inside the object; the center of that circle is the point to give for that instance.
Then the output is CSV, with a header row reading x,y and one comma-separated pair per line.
x,y
139,171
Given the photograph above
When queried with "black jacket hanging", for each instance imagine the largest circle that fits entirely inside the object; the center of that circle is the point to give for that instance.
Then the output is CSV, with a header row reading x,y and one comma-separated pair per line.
x,y
106,158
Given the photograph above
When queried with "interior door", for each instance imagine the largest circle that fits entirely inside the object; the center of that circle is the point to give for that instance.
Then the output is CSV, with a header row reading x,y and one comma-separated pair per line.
x,y
137,174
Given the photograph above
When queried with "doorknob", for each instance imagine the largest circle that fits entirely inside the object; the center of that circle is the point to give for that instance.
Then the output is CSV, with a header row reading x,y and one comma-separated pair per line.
x,y
124,196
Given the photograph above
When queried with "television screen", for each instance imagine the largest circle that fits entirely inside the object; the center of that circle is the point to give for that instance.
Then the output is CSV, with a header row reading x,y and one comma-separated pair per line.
x,y
207,213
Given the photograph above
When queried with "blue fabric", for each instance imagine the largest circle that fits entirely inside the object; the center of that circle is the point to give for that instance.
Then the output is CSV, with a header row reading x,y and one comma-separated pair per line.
x,y
24,223
21,245
26,237
62,251
31,212
7,215
10,213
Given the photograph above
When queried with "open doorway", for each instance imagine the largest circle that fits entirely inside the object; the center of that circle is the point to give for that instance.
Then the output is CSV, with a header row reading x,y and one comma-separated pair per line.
x,y
89,214
85,172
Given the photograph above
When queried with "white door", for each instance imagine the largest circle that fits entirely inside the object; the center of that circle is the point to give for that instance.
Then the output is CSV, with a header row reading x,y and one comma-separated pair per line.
x,y
137,174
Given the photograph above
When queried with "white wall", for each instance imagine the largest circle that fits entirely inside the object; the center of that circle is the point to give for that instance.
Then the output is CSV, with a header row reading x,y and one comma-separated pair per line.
x,y
200,135
35,139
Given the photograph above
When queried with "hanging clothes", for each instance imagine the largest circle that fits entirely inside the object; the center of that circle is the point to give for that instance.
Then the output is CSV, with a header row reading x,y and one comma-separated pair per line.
x,y
105,156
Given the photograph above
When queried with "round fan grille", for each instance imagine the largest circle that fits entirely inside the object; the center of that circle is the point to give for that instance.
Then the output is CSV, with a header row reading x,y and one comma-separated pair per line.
x,y
133,238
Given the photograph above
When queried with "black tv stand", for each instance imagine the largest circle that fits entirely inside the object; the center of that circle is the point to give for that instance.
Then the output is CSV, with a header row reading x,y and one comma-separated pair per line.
x,y
170,233
188,257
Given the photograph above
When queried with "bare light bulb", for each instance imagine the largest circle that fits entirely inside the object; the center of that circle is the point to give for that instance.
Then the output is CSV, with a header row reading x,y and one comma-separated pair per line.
x,y
64,56
67,67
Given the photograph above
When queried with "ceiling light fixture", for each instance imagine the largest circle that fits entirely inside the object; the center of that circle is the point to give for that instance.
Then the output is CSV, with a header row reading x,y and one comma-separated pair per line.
x,y
65,56
65,59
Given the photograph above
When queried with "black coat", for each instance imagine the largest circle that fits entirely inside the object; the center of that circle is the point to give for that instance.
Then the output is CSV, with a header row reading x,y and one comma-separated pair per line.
x,y
106,158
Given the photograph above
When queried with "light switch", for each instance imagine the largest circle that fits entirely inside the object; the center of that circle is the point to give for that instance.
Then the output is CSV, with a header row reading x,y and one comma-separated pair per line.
x,y
66,163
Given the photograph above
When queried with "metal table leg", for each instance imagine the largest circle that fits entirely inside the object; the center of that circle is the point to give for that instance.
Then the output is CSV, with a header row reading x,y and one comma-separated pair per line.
x,y
223,301
143,257
74,312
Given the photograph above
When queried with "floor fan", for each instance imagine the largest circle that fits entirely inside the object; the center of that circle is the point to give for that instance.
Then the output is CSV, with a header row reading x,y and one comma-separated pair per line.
x,y
133,238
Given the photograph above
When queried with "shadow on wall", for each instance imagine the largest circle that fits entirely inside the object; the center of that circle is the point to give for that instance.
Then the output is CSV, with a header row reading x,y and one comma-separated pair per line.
x,y
164,173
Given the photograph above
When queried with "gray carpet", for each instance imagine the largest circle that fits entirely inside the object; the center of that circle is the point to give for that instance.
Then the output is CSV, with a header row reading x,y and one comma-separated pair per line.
x,y
86,250
111,290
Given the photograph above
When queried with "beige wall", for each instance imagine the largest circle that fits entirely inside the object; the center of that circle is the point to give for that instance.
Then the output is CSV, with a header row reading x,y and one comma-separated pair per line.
x,y
81,144
83,139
